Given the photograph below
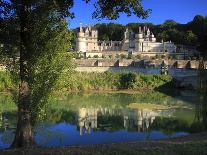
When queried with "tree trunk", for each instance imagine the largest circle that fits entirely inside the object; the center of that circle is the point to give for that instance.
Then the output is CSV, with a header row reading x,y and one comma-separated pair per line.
x,y
24,133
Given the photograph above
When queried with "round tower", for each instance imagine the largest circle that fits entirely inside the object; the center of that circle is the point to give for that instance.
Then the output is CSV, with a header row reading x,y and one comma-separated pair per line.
x,y
81,44
152,38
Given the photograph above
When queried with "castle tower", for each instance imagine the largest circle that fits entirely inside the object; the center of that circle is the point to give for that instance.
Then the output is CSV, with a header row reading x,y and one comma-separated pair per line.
x,y
152,38
139,39
81,40
125,45
126,34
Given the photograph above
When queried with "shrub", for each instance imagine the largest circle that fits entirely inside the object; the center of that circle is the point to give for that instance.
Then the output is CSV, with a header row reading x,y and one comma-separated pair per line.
x,y
138,56
129,56
117,56
123,56
157,56
96,56
127,81
162,56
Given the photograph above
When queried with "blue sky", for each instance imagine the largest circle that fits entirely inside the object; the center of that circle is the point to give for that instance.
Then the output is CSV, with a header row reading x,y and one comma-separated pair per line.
x,y
181,11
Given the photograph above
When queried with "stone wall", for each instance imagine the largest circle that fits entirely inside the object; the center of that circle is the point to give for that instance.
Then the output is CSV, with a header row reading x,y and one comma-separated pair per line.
x,y
185,64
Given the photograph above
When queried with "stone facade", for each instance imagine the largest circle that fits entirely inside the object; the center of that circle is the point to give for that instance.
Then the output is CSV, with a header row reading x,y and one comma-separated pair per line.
x,y
143,43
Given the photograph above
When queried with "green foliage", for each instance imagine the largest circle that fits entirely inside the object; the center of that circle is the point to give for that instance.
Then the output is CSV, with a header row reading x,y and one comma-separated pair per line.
x,y
169,125
84,81
49,59
123,56
129,56
112,9
76,81
6,82
7,103
128,80
157,56
96,56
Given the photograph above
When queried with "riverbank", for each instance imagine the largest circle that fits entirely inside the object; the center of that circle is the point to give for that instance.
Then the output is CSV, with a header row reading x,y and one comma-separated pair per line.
x,y
106,81
194,144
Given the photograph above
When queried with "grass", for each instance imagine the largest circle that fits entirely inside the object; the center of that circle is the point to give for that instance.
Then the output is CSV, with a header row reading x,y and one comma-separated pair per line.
x,y
136,148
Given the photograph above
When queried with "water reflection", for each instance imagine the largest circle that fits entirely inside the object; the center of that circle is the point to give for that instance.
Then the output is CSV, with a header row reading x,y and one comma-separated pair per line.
x,y
106,118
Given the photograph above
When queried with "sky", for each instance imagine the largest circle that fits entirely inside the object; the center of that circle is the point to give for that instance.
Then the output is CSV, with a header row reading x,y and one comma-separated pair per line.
x,y
181,11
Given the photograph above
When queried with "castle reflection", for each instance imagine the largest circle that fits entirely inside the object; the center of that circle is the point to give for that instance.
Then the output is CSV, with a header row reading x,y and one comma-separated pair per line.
x,y
105,119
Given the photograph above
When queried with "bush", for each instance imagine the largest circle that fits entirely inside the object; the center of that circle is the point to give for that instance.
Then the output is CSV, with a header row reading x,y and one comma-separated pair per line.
x,y
157,56
153,58
123,56
169,57
127,81
83,81
163,56
117,56
129,56
96,56
138,56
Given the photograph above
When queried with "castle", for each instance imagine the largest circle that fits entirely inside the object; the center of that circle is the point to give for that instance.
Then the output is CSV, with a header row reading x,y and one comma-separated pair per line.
x,y
143,43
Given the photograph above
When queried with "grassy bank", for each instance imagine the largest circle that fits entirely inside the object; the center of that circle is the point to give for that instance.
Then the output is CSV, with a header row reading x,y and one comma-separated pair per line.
x,y
82,81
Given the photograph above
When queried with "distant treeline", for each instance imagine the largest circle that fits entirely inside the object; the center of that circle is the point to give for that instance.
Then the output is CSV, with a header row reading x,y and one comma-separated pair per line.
x,y
193,33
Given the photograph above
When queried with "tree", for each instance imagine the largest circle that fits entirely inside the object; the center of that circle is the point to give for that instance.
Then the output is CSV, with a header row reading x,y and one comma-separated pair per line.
x,y
190,38
41,26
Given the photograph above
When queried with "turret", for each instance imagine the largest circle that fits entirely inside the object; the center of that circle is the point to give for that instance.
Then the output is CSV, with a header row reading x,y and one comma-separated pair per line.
x,y
87,32
152,38
81,27
94,34
90,28
148,32
126,34
139,36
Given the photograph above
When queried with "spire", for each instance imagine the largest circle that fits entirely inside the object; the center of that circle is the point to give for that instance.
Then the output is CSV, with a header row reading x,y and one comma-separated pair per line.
x,y
81,27
148,32
90,28
140,29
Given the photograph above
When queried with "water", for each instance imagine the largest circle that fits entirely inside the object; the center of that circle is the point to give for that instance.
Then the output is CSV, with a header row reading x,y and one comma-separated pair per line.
x,y
80,119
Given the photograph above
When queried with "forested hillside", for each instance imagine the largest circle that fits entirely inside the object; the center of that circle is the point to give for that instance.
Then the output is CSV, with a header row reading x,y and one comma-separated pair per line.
x,y
193,33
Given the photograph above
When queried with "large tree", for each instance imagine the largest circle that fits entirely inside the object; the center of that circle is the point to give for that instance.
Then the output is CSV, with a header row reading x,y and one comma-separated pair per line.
x,y
42,40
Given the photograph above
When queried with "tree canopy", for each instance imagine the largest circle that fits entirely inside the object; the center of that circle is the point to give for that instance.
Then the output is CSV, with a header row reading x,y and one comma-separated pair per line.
x,y
39,46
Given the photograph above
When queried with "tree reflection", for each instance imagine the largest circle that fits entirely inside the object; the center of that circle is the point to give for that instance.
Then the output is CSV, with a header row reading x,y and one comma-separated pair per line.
x,y
200,122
